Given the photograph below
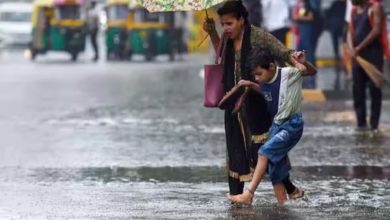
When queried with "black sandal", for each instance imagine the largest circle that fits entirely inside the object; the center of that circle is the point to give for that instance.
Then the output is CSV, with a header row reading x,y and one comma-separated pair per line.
x,y
298,195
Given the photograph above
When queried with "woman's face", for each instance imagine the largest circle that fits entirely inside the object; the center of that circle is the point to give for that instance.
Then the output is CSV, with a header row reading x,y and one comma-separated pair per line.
x,y
232,27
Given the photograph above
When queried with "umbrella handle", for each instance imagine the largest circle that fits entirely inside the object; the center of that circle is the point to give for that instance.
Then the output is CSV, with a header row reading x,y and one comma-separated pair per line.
x,y
204,39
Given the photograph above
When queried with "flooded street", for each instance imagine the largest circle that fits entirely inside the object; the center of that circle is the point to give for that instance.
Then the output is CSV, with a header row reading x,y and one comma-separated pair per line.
x,y
133,141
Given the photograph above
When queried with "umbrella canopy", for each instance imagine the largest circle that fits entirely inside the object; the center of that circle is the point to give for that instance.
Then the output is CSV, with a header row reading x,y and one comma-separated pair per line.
x,y
177,5
65,2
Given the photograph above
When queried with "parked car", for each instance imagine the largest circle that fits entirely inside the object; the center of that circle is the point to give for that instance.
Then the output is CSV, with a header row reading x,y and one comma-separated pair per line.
x,y
15,23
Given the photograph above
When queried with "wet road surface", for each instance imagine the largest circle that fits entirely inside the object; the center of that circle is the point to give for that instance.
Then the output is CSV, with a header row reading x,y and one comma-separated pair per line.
x,y
132,141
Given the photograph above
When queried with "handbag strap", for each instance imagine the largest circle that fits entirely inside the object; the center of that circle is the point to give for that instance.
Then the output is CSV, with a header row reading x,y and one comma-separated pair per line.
x,y
221,50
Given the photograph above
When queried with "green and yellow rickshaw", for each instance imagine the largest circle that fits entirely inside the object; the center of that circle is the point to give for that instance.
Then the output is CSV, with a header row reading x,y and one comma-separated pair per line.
x,y
151,34
117,12
131,29
58,25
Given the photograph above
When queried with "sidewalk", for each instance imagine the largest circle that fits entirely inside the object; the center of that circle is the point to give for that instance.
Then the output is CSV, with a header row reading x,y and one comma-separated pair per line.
x,y
336,86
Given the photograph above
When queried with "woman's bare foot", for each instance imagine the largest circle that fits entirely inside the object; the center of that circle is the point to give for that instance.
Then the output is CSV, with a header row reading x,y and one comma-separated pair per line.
x,y
297,194
245,198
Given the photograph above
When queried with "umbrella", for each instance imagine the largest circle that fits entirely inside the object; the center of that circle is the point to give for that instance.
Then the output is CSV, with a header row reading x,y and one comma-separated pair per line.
x,y
373,73
177,5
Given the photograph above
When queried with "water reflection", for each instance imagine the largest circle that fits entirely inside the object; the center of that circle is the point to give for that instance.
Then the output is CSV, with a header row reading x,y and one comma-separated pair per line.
x,y
208,174
262,213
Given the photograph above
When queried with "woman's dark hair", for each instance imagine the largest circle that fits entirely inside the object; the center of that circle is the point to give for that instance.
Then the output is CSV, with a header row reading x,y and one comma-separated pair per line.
x,y
260,57
235,8
358,2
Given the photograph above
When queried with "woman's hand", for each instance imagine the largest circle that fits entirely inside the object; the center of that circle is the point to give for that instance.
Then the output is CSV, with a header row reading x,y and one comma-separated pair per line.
x,y
249,84
300,62
300,56
245,83
209,26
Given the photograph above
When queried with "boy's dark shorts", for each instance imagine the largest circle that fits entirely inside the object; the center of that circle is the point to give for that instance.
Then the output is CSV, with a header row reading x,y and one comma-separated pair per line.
x,y
282,139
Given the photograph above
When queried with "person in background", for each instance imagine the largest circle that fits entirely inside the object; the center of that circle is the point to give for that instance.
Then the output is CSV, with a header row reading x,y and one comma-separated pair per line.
x,y
348,12
303,15
318,21
335,15
255,12
180,25
335,23
93,27
276,18
347,61
364,40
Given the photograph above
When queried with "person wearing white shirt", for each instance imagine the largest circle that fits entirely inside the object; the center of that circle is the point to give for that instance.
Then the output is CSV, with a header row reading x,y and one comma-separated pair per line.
x,y
93,27
276,18
348,11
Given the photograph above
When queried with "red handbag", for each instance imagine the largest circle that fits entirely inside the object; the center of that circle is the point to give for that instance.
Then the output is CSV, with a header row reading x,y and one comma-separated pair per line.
x,y
213,75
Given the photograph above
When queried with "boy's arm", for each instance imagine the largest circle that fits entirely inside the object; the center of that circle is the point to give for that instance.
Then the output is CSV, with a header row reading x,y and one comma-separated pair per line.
x,y
349,37
310,69
375,31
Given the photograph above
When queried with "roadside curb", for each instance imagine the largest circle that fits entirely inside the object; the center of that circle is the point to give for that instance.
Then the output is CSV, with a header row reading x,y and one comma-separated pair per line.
x,y
319,95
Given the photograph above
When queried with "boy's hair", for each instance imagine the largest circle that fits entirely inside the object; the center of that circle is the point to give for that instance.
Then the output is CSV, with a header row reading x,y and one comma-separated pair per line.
x,y
235,8
260,57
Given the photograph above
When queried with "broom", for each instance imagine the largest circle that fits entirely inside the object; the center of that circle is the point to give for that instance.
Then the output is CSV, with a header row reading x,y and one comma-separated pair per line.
x,y
373,73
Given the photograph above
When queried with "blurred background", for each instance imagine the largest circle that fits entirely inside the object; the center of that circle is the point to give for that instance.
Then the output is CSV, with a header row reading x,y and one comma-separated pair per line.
x,y
127,32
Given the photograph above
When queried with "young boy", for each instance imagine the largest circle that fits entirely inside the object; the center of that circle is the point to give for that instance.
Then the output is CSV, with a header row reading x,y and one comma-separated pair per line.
x,y
282,88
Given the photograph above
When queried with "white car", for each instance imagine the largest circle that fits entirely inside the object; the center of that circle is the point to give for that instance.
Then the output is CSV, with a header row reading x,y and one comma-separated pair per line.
x,y
15,23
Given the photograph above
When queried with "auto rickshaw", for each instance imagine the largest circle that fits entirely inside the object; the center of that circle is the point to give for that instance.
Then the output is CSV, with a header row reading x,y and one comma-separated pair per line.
x,y
117,12
58,25
150,34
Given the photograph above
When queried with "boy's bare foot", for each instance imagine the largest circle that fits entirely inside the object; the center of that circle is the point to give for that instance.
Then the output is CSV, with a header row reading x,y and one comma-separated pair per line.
x,y
297,194
245,198
280,193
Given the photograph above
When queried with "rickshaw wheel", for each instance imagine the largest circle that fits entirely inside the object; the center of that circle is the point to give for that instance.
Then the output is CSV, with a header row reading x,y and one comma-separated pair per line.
x,y
33,54
109,55
129,56
74,56
149,57
171,56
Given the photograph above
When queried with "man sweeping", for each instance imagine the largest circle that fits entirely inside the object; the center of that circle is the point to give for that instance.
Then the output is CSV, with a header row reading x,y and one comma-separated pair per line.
x,y
365,31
